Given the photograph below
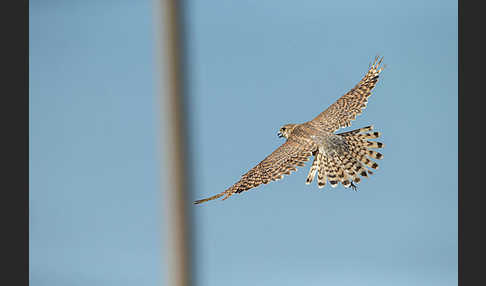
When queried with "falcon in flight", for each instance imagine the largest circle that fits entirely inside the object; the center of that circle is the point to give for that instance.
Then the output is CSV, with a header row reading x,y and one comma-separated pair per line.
x,y
338,157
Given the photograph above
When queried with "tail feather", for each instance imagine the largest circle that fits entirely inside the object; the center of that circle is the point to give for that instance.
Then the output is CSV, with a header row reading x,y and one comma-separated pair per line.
x,y
349,163
360,169
373,144
368,163
322,175
357,158
349,166
333,173
372,135
359,151
374,154
356,131
313,169
343,174
359,148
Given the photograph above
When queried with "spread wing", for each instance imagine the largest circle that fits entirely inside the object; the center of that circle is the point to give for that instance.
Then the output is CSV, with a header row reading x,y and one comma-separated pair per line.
x,y
351,104
294,152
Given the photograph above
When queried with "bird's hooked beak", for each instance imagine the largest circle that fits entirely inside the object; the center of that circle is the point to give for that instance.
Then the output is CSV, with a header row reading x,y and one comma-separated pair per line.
x,y
280,135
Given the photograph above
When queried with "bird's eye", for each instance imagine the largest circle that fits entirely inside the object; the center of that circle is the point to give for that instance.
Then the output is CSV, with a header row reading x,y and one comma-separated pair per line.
x,y
283,128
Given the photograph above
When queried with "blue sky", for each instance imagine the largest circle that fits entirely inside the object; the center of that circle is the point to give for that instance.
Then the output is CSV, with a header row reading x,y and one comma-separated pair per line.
x,y
96,150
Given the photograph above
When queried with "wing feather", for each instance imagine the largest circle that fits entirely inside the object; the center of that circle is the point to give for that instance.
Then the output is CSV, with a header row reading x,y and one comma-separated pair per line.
x,y
347,107
283,161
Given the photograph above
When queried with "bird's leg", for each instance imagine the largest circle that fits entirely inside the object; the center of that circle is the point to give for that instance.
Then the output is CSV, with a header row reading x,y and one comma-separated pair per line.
x,y
353,186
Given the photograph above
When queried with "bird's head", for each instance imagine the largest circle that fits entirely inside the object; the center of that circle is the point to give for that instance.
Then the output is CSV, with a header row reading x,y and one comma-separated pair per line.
x,y
286,130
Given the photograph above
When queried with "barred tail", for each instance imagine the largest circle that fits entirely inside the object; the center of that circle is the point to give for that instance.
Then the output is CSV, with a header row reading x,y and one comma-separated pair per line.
x,y
348,166
357,159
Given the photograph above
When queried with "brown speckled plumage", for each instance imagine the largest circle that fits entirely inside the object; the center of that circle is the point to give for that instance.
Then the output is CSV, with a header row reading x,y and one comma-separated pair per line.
x,y
338,158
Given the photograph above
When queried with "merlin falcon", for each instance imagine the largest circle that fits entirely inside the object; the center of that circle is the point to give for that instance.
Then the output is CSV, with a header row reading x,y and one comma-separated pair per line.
x,y
338,157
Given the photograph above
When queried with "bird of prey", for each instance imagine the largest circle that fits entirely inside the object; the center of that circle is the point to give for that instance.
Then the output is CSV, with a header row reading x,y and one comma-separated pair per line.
x,y
338,157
